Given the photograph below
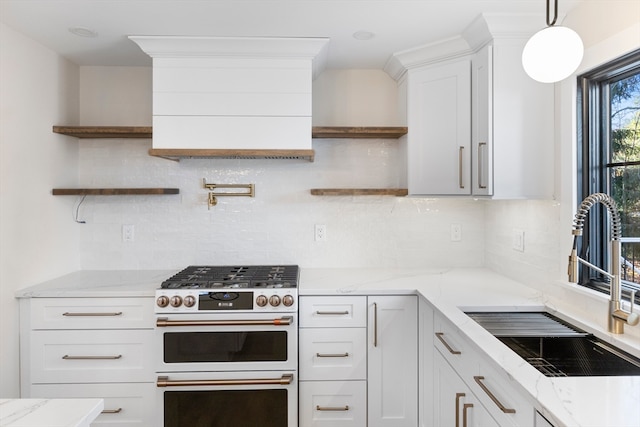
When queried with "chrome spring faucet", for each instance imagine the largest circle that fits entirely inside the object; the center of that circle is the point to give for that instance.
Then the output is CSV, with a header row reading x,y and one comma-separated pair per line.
x,y
617,315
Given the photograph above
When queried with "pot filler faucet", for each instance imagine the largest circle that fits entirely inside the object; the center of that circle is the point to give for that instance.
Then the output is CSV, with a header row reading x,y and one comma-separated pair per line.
x,y
617,315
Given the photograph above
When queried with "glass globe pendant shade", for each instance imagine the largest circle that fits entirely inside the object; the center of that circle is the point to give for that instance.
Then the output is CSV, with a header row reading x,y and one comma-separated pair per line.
x,y
552,54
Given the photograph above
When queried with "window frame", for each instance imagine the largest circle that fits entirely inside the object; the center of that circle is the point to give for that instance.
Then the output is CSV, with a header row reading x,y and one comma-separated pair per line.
x,y
593,161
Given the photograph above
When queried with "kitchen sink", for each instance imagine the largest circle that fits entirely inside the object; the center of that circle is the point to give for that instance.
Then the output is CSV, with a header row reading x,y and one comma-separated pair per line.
x,y
555,347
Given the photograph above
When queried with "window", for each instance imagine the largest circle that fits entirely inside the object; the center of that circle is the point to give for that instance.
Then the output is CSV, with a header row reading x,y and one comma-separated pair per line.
x,y
609,162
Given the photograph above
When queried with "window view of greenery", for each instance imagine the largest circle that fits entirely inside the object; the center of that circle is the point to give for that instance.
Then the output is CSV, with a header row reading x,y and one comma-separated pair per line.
x,y
624,168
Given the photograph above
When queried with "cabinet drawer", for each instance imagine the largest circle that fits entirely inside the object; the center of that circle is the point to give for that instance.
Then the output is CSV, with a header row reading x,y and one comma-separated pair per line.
x,y
501,397
333,311
455,348
333,354
129,404
91,313
92,356
333,403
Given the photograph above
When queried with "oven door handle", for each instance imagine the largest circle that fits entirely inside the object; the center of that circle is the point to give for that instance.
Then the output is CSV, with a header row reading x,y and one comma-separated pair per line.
x,y
286,379
283,321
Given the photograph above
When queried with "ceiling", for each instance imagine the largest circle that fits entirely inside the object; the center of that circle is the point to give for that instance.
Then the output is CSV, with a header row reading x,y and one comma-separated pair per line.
x,y
396,25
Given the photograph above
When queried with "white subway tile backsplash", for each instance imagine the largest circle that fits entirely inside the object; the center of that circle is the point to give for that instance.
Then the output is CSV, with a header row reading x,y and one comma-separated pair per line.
x,y
277,226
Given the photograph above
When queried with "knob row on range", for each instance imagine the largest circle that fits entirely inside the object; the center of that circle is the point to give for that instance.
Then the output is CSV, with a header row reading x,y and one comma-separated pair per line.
x,y
274,300
190,301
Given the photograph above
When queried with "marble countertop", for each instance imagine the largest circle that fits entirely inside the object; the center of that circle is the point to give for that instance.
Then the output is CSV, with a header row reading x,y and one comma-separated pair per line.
x,y
571,401
49,412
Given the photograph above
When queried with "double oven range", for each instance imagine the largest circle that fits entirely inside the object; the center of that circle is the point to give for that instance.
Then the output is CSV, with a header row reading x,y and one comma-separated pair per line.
x,y
229,347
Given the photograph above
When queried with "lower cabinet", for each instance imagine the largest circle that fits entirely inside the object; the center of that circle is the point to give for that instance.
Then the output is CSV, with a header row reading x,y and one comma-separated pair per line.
x,y
455,404
91,347
358,361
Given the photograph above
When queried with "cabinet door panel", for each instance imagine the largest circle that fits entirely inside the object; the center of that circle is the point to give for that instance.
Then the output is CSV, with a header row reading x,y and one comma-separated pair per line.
x,y
127,404
393,361
333,404
92,356
333,354
439,139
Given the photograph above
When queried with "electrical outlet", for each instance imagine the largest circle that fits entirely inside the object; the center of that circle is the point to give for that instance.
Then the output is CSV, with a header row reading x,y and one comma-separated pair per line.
x,y
456,232
518,240
128,232
320,232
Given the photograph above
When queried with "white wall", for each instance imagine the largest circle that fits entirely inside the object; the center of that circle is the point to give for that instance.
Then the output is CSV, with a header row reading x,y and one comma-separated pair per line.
x,y
38,238
278,224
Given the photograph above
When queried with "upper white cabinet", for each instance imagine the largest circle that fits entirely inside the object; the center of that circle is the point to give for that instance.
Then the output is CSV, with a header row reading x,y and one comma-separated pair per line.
x,y
232,93
439,121
478,125
512,126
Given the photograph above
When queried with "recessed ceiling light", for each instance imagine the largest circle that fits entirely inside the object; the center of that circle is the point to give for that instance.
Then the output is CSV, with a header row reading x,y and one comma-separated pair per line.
x,y
363,35
83,32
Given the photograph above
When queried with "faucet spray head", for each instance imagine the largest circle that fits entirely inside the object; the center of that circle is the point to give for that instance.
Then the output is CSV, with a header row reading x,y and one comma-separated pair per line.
x,y
573,267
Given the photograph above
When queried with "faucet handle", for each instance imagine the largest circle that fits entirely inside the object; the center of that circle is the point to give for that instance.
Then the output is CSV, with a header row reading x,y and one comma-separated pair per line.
x,y
633,318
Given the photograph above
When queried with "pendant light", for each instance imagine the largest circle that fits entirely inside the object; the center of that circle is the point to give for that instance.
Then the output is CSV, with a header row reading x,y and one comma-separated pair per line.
x,y
554,53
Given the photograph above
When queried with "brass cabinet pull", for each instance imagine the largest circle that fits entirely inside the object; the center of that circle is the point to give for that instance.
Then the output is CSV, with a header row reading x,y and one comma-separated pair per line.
x,y
283,321
332,355
332,313
332,408
286,379
484,388
440,336
112,411
72,314
460,165
375,324
480,163
464,413
458,396
67,357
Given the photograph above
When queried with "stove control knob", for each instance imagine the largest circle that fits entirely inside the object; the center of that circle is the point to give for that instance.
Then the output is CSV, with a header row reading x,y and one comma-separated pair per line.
x,y
287,300
261,301
189,301
274,300
162,301
176,301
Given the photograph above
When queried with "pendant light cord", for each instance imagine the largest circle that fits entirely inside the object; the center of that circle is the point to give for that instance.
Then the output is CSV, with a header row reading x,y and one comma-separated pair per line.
x,y
551,23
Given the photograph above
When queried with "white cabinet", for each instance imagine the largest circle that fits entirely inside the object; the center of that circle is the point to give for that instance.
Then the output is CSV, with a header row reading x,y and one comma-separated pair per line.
x,y
333,361
393,361
454,403
439,121
512,126
459,367
91,347
358,361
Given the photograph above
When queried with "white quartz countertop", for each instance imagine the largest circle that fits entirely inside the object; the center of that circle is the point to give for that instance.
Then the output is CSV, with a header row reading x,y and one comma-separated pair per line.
x,y
570,401
49,412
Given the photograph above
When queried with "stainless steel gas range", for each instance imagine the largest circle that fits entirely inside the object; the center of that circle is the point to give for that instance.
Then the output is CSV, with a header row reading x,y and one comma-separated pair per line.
x,y
228,347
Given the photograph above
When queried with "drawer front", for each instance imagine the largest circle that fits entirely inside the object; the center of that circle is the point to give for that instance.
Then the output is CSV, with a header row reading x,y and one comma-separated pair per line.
x,y
92,356
455,348
130,405
333,354
333,311
92,313
501,396
333,403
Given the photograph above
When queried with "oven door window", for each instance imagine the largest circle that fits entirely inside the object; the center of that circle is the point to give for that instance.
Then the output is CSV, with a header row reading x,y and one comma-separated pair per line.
x,y
258,346
226,408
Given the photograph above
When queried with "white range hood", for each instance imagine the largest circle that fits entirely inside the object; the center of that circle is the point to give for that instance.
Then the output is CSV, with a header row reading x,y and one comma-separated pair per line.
x,y
243,96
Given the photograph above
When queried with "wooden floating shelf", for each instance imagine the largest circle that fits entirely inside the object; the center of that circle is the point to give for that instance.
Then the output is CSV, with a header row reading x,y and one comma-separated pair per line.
x,y
147,131
105,131
357,132
398,192
113,191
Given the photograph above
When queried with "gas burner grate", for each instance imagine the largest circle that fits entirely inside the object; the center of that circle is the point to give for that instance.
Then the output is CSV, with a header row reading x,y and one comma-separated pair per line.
x,y
211,277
